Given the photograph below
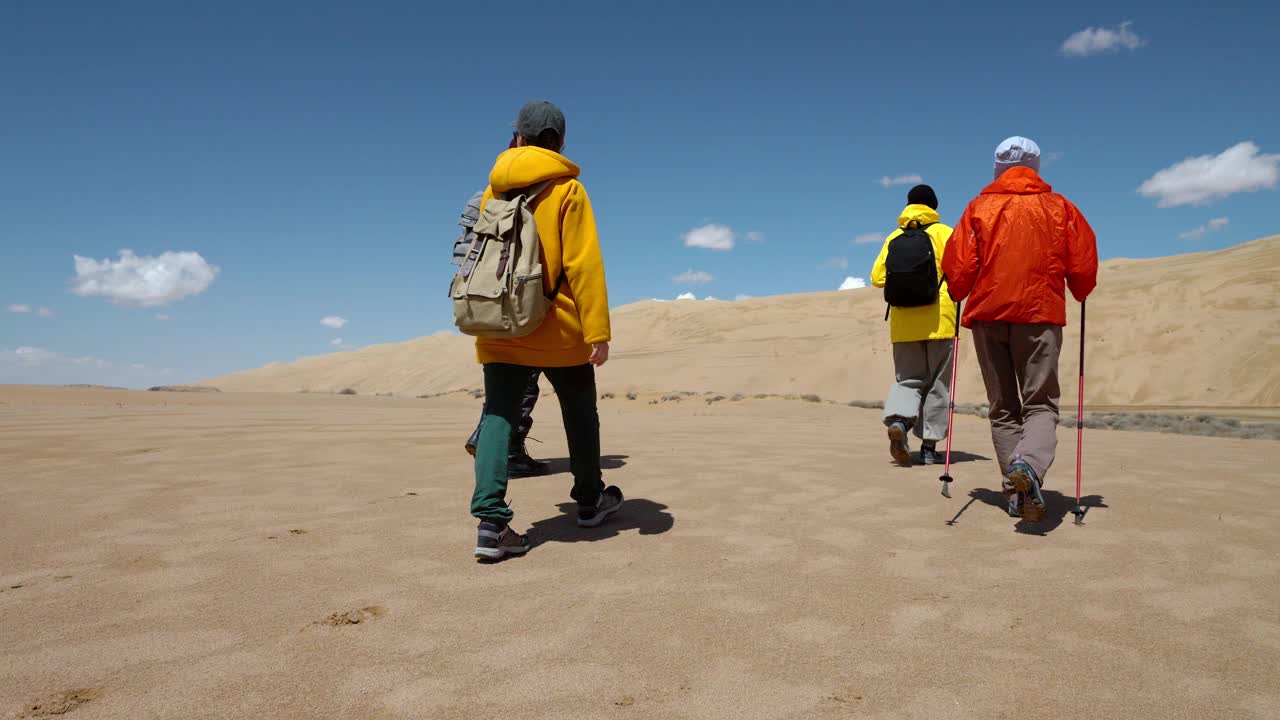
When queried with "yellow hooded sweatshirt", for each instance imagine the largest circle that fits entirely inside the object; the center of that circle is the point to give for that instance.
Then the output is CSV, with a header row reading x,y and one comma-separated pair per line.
x,y
930,322
579,315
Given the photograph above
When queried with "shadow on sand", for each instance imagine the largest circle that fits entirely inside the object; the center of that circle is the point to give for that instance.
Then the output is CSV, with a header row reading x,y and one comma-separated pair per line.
x,y
607,462
1057,509
957,457
647,516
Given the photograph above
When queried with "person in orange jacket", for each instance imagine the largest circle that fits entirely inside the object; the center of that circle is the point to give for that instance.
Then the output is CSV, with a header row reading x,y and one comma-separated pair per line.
x,y
1015,251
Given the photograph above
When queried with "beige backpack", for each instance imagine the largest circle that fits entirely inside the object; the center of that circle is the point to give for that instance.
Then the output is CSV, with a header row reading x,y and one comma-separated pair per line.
x,y
497,292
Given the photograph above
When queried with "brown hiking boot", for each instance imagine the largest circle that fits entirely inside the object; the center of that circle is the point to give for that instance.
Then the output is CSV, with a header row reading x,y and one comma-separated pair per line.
x,y
898,444
1024,481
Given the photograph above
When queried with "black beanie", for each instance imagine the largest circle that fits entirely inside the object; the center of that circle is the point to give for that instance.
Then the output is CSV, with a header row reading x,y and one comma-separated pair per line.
x,y
922,195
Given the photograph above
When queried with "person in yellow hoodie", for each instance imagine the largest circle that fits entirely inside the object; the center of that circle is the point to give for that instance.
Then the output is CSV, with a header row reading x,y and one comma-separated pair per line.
x,y
570,343
922,337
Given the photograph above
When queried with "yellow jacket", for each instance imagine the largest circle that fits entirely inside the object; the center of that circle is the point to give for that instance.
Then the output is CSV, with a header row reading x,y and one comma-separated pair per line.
x,y
579,315
930,322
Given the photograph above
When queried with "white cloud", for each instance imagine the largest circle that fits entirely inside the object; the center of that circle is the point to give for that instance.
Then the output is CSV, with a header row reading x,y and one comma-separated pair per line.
x,y
693,277
709,297
162,316
43,312
144,281
1092,41
40,366
1212,226
686,296
34,357
852,283
755,237
336,342
868,238
742,296
837,263
1199,180
333,321
888,182
711,237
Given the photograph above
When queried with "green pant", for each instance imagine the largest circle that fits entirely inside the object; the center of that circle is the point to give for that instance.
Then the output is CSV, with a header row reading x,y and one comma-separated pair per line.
x,y
504,386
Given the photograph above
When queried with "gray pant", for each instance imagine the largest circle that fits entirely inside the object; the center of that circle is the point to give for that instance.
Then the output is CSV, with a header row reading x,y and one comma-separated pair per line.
x,y
1020,369
919,398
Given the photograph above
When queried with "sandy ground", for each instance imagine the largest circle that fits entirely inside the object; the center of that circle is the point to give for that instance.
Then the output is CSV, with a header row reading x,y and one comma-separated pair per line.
x,y
290,556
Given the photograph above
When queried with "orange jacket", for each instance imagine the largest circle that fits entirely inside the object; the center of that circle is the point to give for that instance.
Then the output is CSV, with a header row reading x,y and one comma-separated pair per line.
x,y
1014,249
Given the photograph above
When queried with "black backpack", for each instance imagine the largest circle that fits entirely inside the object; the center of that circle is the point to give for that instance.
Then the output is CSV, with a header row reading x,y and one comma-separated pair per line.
x,y
911,269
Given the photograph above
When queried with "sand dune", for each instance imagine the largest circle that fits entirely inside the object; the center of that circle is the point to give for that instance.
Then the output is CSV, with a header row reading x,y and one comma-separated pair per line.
x,y
308,556
1197,330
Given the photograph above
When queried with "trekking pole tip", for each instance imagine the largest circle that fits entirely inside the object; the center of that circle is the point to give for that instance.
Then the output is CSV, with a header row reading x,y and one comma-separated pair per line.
x,y
1079,513
946,485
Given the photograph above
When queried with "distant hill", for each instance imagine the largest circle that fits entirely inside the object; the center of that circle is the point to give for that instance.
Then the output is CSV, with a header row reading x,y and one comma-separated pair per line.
x,y
1192,330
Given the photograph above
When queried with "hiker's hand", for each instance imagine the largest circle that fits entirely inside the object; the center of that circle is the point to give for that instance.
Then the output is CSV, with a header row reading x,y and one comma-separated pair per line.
x,y
599,353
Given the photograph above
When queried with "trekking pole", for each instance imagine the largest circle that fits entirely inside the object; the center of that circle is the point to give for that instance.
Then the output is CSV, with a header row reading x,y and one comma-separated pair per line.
x,y
1080,509
951,404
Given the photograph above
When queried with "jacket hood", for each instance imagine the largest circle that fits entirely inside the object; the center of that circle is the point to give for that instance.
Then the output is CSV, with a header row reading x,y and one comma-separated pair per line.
x,y
524,166
1018,181
922,214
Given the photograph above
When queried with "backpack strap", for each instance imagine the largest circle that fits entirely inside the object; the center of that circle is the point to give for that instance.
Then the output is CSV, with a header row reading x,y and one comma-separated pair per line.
x,y
531,192
473,256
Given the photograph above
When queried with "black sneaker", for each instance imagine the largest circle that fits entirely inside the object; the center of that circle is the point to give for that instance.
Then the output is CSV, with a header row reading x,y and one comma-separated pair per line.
x,y
929,455
520,464
1023,480
495,541
609,503
898,444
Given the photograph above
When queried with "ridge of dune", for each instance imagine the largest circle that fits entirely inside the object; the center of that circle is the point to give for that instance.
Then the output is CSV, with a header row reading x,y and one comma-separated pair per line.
x,y
1198,329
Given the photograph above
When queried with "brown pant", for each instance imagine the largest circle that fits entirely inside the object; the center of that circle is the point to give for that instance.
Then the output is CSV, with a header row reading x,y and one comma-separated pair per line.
x,y
1020,369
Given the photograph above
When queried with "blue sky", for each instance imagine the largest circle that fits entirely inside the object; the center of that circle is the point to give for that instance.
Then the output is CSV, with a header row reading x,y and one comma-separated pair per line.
x,y
318,154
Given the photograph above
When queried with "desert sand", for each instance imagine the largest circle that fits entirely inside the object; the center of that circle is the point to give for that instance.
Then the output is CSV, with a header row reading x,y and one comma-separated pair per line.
x,y
308,556
1199,330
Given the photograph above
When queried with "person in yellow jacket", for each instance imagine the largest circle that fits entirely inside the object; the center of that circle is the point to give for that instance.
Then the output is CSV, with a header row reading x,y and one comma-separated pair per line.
x,y
922,338
570,343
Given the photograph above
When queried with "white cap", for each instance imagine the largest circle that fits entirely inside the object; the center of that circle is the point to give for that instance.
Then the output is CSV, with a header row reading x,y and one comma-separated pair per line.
x,y
1017,151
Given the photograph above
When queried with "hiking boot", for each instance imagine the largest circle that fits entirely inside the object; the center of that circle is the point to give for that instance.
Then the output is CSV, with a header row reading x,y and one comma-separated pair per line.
x,y
520,464
1024,481
929,455
898,444
1014,502
609,502
495,541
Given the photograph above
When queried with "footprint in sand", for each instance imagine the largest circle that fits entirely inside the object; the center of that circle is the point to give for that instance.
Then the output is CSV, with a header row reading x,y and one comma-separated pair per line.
x,y
354,617
59,703
297,531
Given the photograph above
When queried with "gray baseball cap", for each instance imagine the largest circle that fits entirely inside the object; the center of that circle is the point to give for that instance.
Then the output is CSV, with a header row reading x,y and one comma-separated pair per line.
x,y
539,115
